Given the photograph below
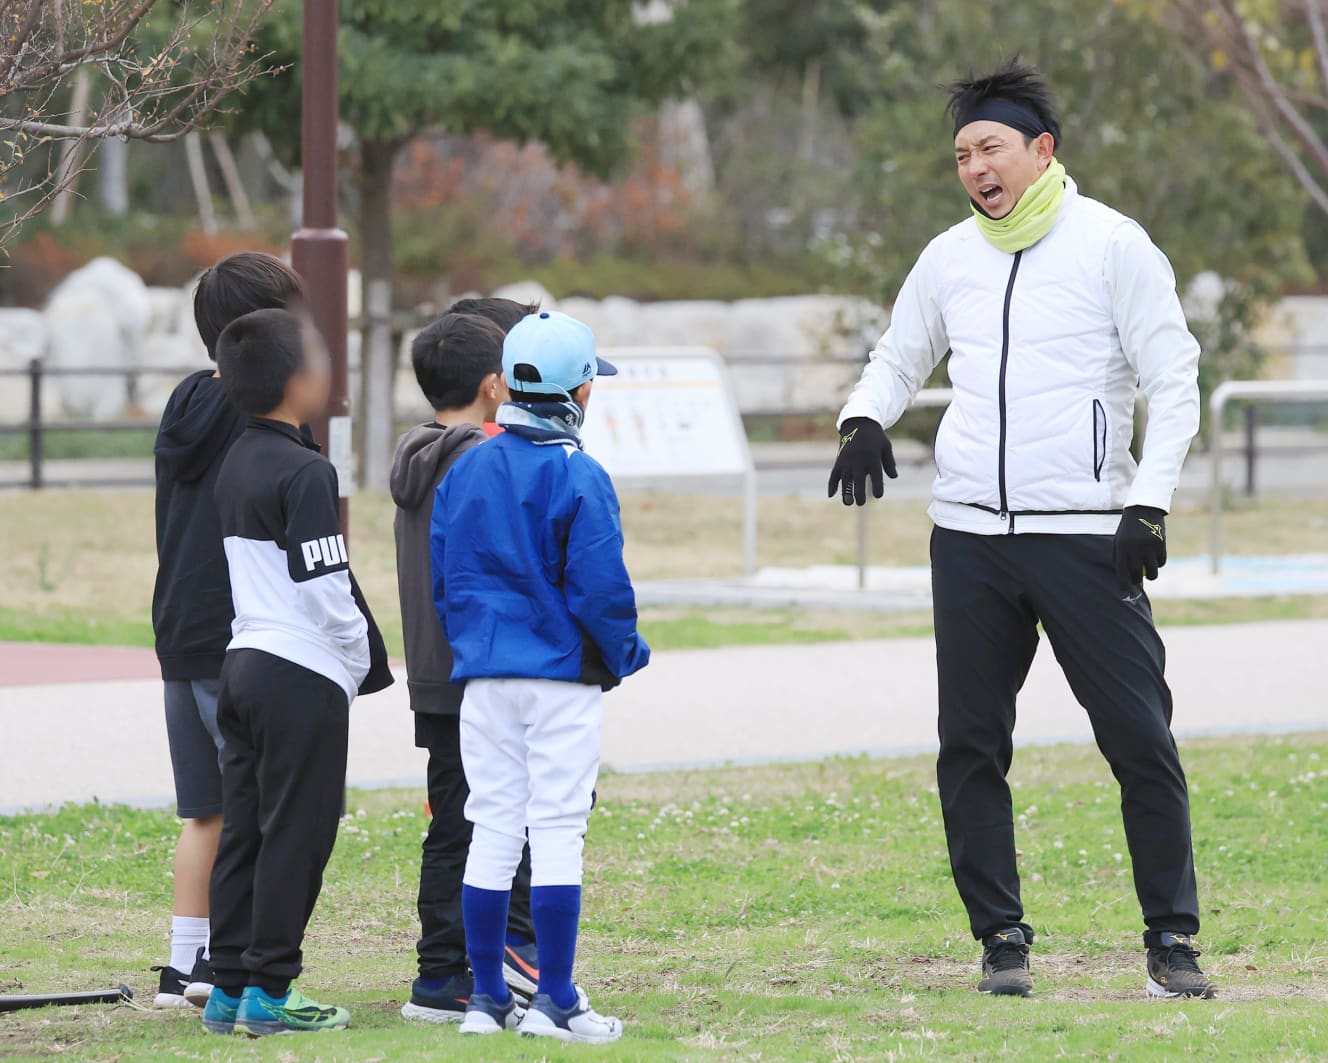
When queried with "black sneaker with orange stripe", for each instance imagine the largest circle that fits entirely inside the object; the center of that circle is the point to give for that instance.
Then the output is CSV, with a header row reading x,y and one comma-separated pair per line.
x,y
521,970
432,1000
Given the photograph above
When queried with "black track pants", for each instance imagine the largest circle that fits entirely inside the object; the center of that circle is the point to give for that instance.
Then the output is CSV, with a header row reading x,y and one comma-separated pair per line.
x,y
989,593
283,778
442,944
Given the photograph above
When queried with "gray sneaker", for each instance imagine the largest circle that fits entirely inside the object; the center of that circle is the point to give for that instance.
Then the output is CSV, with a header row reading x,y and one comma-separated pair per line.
x,y
1005,965
578,1024
1173,969
484,1015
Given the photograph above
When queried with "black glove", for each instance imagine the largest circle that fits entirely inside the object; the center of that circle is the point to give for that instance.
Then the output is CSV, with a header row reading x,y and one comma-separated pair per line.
x,y
863,451
1141,545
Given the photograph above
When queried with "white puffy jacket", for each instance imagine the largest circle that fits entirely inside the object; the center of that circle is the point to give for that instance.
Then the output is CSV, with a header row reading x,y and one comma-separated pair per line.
x,y
1048,349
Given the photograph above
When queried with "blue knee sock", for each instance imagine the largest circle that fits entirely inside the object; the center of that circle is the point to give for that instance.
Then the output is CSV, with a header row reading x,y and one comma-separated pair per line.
x,y
556,911
485,914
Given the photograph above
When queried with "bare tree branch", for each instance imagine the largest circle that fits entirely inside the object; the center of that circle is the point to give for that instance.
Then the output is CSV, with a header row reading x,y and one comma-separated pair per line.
x,y
1273,92
1314,16
24,30
1240,46
117,21
154,92
1282,146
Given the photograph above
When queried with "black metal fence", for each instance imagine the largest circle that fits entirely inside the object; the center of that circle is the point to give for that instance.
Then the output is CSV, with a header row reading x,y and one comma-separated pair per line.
x,y
37,428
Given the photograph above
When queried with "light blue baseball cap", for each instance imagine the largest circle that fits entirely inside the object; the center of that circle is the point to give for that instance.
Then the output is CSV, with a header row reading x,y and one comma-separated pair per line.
x,y
551,353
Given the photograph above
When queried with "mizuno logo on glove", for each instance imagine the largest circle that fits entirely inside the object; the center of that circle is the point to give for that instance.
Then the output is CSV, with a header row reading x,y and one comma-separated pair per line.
x,y
1154,529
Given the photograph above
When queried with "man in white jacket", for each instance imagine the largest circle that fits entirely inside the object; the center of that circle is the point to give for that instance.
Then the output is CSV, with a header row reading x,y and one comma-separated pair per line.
x,y
1054,309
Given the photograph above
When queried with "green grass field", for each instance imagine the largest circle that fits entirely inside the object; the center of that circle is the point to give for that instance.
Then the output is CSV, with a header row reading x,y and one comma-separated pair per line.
x,y
794,912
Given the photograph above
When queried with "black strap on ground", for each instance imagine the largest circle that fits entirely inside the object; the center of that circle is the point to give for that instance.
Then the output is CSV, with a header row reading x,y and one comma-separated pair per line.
x,y
43,1000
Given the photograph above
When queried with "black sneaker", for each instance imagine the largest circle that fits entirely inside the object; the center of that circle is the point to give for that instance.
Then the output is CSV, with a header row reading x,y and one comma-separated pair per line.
x,y
170,989
199,987
1173,969
433,1002
1005,965
180,990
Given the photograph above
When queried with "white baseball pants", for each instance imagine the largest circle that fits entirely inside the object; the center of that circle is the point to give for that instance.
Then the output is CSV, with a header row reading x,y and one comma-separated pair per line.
x,y
530,749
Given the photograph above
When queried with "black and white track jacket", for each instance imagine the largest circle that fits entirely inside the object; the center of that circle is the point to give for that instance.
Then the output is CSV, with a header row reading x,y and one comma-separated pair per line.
x,y
290,575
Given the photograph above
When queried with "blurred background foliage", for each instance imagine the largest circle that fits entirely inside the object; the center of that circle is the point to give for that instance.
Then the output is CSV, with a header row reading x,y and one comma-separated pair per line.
x,y
805,150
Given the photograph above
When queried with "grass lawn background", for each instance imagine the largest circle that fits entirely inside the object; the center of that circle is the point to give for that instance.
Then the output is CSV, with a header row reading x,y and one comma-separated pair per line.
x,y
78,566
791,912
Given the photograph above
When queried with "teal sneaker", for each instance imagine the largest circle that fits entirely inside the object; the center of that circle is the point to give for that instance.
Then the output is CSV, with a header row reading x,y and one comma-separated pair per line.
x,y
219,1012
260,1014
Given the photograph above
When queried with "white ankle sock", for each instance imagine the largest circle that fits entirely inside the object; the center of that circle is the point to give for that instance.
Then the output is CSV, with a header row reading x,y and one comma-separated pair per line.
x,y
189,933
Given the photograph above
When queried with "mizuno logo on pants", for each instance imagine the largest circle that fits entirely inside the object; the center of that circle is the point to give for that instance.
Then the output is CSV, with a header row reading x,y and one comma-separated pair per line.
x,y
329,550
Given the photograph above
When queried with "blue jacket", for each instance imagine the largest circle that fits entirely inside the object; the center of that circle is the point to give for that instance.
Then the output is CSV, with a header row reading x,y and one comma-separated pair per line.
x,y
528,574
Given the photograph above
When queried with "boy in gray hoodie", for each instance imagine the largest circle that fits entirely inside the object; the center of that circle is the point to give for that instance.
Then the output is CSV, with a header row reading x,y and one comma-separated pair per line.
x,y
458,363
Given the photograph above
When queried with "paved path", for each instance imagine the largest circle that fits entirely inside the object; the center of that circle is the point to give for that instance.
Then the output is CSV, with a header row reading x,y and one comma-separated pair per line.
x,y
904,588
92,733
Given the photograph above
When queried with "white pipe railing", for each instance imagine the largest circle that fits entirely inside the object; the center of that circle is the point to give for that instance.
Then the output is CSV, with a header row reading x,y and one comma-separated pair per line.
x,y
1251,391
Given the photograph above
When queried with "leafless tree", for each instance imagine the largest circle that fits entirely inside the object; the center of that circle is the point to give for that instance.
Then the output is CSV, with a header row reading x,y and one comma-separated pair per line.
x,y
160,68
1277,53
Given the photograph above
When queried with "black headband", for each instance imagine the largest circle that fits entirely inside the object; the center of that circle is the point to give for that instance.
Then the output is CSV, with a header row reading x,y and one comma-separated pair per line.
x,y
1006,112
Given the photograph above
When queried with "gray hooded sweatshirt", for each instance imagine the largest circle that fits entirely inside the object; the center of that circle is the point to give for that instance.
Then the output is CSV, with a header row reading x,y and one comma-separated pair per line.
x,y
424,456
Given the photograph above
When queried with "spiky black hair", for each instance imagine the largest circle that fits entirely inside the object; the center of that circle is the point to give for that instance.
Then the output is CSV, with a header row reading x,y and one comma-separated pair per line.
x,y
1015,82
502,312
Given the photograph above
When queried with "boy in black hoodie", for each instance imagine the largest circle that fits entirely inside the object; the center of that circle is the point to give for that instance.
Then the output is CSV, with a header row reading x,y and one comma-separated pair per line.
x,y
458,363
191,603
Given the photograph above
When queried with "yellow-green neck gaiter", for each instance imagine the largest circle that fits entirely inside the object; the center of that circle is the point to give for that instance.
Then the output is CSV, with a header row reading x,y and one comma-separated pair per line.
x,y
1032,217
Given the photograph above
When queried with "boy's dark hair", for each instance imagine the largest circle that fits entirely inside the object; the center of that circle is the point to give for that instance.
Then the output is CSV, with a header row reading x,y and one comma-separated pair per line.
x,y
257,354
502,312
1014,82
453,355
238,285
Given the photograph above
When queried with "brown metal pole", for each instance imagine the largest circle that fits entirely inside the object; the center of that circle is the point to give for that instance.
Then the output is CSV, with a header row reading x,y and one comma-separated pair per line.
x,y
319,249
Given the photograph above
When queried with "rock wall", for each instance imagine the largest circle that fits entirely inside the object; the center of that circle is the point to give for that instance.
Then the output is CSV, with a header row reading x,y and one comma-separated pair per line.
x,y
101,316
786,354
789,353
24,336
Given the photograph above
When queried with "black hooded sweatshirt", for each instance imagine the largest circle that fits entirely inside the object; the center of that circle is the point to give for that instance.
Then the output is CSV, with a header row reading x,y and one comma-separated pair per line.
x,y
423,458
191,602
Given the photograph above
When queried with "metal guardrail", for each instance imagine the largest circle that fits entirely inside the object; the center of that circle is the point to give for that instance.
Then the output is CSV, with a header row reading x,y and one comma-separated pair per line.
x,y
1251,392
36,427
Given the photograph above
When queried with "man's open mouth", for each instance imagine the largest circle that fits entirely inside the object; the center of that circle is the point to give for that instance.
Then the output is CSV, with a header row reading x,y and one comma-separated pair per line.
x,y
990,193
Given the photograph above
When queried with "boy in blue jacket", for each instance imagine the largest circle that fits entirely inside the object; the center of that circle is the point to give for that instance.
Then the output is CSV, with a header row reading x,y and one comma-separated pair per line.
x,y
530,586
